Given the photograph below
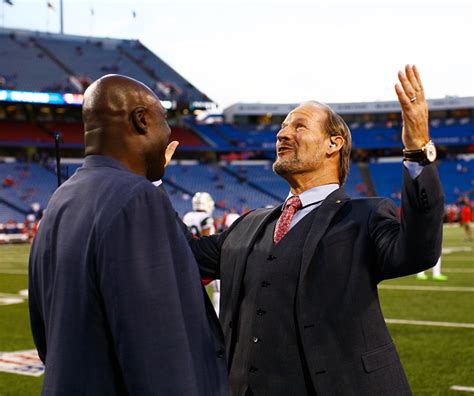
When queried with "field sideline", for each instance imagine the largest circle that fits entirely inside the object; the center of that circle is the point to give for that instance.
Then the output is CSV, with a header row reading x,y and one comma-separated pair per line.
x,y
432,323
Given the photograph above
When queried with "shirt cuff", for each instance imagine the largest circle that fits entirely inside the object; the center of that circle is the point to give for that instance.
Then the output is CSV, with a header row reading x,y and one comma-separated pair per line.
x,y
414,168
157,183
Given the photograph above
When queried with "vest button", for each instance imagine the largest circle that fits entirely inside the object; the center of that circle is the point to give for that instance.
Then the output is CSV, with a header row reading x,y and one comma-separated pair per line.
x,y
265,284
271,257
261,312
253,369
255,340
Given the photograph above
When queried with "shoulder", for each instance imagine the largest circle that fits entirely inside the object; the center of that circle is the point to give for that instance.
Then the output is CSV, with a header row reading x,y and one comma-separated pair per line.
x,y
135,198
250,219
363,208
255,214
135,188
370,203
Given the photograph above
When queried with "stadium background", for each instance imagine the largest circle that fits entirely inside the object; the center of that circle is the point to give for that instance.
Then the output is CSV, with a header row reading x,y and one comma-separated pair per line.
x,y
229,155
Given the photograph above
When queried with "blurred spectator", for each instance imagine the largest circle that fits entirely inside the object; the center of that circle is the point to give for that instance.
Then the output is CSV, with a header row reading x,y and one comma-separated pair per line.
x,y
466,217
8,182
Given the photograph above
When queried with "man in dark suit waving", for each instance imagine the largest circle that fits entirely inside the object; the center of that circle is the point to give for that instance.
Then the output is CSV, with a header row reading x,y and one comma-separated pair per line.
x,y
116,302
299,303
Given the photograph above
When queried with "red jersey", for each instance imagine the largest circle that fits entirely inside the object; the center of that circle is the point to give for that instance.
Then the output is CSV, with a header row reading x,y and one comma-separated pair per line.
x,y
466,214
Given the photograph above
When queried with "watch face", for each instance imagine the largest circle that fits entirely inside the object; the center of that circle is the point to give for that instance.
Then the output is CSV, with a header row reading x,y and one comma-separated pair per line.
x,y
431,152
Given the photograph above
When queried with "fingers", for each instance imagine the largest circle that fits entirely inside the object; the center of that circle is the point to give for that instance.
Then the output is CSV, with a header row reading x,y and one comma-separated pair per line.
x,y
402,98
409,72
170,149
418,80
172,145
408,88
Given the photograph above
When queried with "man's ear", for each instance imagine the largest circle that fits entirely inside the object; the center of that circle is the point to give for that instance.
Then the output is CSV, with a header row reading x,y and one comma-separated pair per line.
x,y
335,144
139,120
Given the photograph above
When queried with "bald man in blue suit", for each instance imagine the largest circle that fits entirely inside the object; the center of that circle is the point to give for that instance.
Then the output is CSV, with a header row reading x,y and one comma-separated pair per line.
x,y
116,302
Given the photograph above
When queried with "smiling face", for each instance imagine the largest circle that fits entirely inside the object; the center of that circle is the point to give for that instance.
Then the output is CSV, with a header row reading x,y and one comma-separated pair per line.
x,y
302,142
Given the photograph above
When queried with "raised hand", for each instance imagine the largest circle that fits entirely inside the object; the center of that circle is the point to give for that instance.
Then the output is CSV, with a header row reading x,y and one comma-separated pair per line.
x,y
170,149
415,133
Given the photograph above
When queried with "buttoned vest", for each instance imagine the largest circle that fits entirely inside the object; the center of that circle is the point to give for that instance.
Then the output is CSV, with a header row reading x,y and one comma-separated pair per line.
x,y
267,354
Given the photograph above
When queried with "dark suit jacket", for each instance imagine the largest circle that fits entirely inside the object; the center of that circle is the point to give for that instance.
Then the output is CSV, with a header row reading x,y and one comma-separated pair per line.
x,y
116,302
352,246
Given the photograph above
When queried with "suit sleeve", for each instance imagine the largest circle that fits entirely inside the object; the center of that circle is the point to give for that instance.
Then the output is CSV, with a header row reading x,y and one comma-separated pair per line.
x,y
144,273
36,322
207,249
413,243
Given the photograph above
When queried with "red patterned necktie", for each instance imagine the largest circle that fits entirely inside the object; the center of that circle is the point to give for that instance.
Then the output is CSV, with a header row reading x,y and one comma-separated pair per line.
x,y
283,224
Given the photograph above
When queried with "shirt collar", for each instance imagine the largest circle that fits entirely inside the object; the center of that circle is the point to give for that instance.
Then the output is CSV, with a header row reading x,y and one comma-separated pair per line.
x,y
92,161
315,194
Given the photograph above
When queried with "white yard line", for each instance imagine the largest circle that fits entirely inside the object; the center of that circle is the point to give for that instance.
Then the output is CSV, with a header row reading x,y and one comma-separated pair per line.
x,y
10,295
430,323
456,249
427,288
458,270
461,388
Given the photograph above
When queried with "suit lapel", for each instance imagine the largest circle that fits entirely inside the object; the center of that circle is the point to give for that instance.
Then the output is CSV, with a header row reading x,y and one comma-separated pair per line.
x,y
322,219
259,220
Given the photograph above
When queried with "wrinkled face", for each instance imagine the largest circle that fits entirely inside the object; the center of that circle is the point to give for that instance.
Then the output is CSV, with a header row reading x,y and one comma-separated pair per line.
x,y
159,133
301,142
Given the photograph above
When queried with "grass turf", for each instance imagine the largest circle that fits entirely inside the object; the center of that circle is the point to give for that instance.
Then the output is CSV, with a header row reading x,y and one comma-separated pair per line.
x,y
435,358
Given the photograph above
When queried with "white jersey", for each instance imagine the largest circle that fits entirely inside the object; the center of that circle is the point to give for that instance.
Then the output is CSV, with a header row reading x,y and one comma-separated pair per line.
x,y
199,221
229,219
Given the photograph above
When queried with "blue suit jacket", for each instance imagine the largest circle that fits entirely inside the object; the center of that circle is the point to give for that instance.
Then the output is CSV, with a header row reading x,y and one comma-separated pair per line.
x,y
116,302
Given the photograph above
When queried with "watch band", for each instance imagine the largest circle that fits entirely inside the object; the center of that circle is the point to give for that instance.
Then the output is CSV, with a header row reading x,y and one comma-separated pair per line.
x,y
420,155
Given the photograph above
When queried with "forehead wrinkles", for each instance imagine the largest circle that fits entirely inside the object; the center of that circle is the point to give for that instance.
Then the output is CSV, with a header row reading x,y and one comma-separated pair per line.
x,y
308,114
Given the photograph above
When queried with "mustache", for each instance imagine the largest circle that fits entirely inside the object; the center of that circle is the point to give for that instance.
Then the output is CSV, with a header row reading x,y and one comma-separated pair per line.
x,y
283,147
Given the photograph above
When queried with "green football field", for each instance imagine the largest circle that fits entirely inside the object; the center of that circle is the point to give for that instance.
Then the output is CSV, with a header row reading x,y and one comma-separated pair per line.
x,y
431,322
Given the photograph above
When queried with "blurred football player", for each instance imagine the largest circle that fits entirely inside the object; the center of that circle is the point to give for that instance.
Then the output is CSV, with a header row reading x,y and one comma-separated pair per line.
x,y
229,219
437,275
200,222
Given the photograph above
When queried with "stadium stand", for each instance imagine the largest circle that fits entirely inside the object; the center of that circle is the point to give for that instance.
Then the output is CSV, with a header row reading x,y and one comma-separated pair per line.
x,y
212,135
90,59
239,185
72,133
387,178
367,136
31,69
226,189
41,134
22,133
67,63
186,138
458,178
168,81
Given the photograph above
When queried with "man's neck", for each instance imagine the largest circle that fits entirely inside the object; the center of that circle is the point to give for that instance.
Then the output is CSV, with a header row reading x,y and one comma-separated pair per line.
x,y
304,182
